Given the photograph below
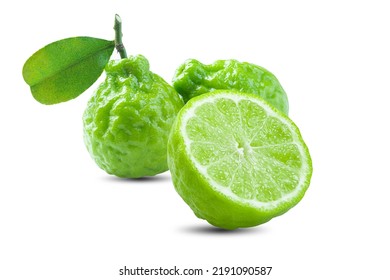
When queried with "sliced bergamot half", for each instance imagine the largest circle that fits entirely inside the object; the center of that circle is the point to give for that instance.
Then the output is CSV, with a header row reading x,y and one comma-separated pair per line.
x,y
236,161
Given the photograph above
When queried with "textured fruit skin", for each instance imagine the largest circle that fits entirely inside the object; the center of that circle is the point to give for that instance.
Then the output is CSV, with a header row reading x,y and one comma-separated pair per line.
x,y
196,191
194,78
128,119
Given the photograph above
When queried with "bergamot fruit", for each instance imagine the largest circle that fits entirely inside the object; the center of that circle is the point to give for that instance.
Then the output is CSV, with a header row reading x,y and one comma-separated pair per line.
x,y
128,119
236,160
194,78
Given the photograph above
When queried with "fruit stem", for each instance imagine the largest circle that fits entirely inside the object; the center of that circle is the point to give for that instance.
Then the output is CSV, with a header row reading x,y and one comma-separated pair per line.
x,y
118,37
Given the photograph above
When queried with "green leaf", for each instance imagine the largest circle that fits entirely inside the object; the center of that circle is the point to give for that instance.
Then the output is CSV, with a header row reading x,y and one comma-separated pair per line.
x,y
64,69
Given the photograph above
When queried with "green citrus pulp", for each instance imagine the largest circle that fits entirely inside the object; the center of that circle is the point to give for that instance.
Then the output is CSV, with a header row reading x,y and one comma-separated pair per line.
x,y
236,160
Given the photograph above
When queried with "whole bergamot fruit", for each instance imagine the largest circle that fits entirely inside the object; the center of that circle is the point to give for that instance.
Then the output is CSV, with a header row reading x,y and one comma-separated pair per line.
x,y
128,119
194,78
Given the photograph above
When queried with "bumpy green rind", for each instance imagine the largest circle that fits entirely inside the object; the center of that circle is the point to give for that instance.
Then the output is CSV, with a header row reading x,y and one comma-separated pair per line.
x,y
208,204
194,78
128,119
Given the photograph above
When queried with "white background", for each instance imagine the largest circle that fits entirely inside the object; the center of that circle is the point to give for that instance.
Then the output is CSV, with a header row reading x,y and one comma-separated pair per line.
x,y
61,217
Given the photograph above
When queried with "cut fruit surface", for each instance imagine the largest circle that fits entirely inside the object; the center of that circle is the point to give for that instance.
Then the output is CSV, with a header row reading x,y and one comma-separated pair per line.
x,y
236,160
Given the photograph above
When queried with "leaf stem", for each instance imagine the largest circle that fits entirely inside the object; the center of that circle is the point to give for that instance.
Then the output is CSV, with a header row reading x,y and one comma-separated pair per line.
x,y
118,37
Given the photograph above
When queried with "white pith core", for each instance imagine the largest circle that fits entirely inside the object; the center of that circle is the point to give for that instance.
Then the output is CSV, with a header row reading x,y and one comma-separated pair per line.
x,y
243,147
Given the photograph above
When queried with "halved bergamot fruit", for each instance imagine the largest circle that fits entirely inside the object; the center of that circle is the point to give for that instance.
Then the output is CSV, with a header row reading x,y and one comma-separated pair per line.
x,y
236,161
